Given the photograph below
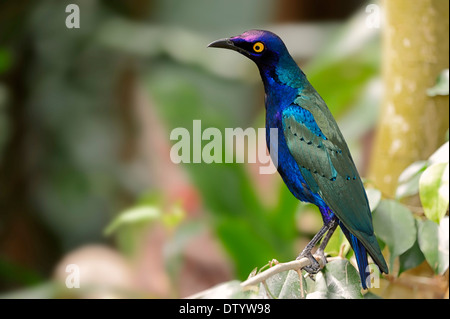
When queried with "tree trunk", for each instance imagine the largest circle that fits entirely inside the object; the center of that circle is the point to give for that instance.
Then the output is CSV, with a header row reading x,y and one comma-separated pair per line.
x,y
412,125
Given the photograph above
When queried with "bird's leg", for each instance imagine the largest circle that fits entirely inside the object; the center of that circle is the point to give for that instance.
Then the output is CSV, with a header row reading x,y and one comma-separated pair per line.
x,y
321,251
314,268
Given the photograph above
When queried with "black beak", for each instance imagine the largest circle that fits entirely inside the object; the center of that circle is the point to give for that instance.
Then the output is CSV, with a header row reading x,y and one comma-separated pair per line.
x,y
222,43
227,43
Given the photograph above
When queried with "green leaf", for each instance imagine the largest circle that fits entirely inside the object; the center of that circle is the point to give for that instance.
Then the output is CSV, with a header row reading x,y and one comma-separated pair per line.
x,y
310,285
395,225
441,87
135,215
285,285
411,258
433,190
371,295
433,241
441,155
408,182
130,226
338,280
374,197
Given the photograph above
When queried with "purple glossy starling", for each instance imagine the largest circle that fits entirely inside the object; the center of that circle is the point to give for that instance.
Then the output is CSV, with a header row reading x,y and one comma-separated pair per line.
x,y
313,158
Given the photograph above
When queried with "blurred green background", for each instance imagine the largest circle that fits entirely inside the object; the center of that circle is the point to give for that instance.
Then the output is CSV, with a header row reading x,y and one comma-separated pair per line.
x,y
85,120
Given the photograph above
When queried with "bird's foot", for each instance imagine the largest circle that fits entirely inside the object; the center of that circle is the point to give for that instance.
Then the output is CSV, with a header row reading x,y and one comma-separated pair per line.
x,y
312,269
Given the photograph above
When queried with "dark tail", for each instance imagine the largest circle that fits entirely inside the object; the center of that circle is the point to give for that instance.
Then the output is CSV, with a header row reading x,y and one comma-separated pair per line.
x,y
361,256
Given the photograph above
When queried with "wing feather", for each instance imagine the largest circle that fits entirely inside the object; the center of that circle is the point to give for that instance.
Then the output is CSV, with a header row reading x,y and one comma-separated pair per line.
x,y
317,145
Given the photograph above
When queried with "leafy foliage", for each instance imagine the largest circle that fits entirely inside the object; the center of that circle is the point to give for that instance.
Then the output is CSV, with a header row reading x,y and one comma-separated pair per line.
x,y
433,190
285,285
408,236
394,224
433,242
338,280
413,257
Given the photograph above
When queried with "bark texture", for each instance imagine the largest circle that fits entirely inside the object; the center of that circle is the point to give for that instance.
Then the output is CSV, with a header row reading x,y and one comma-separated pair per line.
x,y
412,124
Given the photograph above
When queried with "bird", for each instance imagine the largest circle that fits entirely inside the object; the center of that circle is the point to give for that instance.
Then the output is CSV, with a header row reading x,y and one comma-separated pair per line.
x,y
312,155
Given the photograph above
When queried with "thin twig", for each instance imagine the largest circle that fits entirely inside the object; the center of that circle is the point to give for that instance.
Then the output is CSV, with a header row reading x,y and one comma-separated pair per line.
x,y
281,267
302,291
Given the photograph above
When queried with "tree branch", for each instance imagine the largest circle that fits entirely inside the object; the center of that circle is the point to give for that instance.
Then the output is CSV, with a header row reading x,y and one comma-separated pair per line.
x,y
281,267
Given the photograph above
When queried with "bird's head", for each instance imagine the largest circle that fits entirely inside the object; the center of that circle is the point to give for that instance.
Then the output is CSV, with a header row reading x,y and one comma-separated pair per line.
x,y
263,47
268,51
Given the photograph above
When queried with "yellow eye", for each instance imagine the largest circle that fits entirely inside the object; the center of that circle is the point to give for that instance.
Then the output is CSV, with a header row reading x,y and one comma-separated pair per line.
x,y
258,47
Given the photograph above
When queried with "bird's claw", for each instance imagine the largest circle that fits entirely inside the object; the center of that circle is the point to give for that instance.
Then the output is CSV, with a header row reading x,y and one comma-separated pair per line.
x,y
312,269
310,276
